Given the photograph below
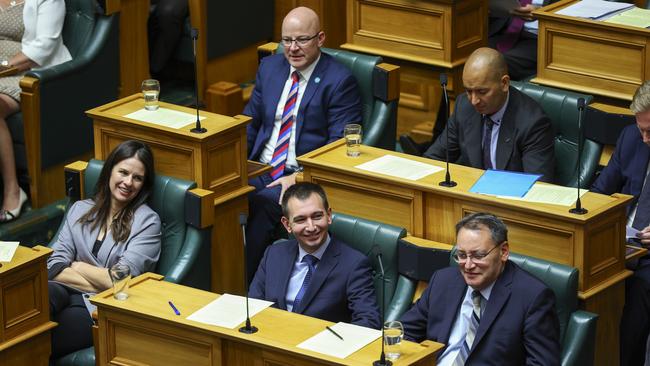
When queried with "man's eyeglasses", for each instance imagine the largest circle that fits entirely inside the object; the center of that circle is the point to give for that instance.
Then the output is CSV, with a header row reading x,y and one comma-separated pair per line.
x,y
301,41
476,257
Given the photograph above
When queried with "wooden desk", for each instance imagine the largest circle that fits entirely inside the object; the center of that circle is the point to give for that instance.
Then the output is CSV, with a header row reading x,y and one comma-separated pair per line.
x,y
424,38
215,160
594,243
146,322
594,57
25,314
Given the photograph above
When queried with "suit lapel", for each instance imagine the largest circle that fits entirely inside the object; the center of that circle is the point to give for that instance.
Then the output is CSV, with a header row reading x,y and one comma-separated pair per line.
x,y
474,137
313,85
327,263
456,293
285,267
505,140
498,298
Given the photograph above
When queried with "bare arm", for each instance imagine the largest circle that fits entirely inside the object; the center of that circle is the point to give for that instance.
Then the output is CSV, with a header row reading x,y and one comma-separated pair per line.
x,y
98,277
22,62
74,279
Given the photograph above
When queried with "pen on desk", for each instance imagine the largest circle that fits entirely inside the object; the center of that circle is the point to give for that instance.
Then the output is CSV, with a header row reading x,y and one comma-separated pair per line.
x,y
333,332
174,308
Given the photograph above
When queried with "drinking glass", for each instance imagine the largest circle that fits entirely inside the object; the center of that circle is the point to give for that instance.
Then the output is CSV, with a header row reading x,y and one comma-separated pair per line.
x,y
151,91
120,276
393,334
353,134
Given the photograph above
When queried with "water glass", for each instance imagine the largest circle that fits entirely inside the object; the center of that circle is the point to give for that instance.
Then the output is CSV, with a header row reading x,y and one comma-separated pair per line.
x,y
151,91
120,276
393,334
353,134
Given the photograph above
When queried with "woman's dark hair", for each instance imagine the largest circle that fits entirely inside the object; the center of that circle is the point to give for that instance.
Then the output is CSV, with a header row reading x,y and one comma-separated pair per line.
x,y
98,214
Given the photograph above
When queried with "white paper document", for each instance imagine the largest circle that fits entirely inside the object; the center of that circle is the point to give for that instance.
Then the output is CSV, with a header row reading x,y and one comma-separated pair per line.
x,y
354,338
399,167
7,250
556,195
593,9
630,232
164,117
228,311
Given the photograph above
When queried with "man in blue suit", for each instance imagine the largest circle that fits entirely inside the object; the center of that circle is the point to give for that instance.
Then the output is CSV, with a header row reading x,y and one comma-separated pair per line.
x,y
302,100
315,274
627,173
491,312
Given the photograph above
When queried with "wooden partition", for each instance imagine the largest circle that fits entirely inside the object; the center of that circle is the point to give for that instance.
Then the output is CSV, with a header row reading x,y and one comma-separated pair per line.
x,y
594,243
424,38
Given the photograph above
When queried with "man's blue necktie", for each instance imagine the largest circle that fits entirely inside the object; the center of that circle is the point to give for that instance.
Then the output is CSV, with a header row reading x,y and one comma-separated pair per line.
x,y
311,263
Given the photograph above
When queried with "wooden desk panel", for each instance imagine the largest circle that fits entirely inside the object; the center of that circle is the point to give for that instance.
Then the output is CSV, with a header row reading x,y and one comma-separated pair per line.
x,y
145,322
590,56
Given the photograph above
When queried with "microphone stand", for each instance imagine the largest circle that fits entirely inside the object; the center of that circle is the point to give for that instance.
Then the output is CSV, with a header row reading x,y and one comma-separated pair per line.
x,y
579,210
382,359
443,83
197,128
248,328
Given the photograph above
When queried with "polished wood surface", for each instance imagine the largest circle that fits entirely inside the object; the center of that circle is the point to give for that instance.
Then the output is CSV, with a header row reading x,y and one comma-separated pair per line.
x,y
424,38
215,160
593,243
145,321
579,54
330,12
25,314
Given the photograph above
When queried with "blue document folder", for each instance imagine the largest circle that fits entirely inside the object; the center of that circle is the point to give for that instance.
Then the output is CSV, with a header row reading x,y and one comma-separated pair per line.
x,y
503,183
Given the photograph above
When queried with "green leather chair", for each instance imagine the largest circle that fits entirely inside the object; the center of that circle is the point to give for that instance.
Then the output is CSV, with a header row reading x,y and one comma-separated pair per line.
x,y
364,235
561,107
42,132
379,110
185,253
577,327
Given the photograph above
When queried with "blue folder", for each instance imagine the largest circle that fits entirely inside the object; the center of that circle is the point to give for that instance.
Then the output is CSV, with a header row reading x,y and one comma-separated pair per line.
x,y
503,183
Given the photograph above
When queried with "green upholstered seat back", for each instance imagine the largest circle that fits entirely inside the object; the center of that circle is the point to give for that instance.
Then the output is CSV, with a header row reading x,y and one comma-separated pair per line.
x,y
561,107
168,200
79,23
364,235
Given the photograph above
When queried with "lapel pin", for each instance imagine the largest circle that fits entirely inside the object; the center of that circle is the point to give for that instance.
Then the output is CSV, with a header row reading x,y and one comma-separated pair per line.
x,y
317,80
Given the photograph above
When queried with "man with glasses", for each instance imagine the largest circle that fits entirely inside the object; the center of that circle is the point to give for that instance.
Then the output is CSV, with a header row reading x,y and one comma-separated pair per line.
x,y
315,274
487,311
302,100
627,172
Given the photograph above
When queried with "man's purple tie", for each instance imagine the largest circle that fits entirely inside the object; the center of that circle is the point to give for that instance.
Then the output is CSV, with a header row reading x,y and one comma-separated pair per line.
x,y
511,36
281,151
487,142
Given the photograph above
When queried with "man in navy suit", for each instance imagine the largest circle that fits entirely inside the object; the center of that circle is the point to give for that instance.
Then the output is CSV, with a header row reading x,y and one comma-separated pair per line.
x,y
302,100
627,173
495,126
491,312
315,274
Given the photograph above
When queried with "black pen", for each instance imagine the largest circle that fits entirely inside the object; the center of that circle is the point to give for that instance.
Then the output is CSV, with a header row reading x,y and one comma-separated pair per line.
x,y
174,308
333,332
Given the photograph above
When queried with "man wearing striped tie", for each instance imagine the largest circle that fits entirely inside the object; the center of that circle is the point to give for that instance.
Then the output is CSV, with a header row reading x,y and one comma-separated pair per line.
x,y
316,274
302,100
490,312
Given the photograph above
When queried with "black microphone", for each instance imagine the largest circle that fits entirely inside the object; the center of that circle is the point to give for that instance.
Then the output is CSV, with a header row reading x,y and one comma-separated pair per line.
x,y
248,328
197,128
443,83
579,210
382,361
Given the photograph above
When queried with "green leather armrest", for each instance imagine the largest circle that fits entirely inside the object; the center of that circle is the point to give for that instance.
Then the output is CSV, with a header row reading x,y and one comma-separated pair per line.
x,y
579,340
192,265
402,298
83,357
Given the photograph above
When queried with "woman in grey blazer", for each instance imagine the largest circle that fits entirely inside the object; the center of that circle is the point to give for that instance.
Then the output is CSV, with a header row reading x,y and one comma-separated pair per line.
x,y
115,226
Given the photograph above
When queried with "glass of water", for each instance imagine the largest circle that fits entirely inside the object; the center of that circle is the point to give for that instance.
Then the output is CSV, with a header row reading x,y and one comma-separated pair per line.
x,y
353,134
120,276
393,334
151,91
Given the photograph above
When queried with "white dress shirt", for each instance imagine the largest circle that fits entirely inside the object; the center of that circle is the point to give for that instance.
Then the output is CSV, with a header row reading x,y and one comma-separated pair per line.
x,y
299,272
496,118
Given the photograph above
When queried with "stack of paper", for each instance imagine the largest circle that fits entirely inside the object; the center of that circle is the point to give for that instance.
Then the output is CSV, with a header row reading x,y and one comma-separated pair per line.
x,y
547,193
164,117
7,250
593,9
228,311
399,167
635,17
354,338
